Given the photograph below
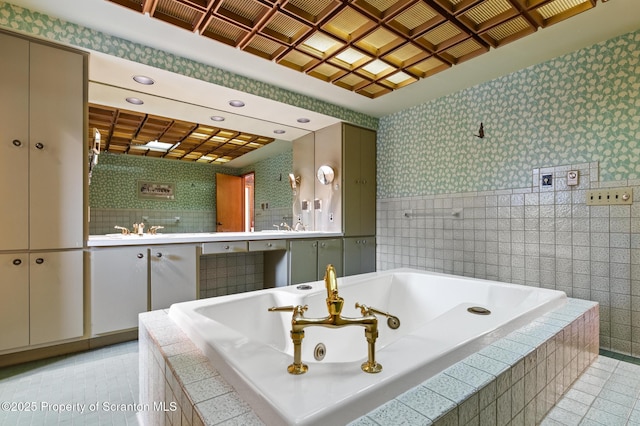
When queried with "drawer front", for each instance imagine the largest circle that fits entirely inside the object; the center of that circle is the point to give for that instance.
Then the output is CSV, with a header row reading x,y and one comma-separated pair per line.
x,y
224,247
267,245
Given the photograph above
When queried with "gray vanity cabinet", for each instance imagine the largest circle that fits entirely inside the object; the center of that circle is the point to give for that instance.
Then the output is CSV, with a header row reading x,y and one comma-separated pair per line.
x,y
359,255
308,259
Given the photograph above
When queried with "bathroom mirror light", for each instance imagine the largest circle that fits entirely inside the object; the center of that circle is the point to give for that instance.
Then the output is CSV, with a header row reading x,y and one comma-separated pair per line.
x,y
294,181
325,174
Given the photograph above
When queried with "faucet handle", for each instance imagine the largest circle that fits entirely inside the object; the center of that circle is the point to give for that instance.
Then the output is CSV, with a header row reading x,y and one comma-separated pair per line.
x,y
392,320
290,308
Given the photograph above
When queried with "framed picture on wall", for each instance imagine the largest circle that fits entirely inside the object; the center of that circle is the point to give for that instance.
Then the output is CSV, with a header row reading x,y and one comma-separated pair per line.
x,y
156,190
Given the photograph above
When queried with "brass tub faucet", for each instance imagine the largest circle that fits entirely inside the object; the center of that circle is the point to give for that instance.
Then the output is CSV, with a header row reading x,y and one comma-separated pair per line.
x,y
333,320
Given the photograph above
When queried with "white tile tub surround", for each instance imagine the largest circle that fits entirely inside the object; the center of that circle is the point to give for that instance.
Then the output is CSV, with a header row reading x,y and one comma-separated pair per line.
x,y
536,236
518,378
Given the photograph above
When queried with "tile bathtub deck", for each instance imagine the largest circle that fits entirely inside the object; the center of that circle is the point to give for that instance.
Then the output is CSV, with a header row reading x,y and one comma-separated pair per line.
x,y
608,393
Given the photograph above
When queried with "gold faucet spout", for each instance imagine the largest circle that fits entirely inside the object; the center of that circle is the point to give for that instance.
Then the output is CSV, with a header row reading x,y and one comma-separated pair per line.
x,y
334,320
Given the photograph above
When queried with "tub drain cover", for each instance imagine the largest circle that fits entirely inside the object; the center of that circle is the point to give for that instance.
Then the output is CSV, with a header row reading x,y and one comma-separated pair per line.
x,y
479,310
319,351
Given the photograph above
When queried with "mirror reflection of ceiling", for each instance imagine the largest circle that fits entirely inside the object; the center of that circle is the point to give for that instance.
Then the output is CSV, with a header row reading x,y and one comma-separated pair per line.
x,y
370,47
136,133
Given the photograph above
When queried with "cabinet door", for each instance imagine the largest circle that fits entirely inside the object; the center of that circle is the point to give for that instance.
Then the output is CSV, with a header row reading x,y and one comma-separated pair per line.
x,y
174,275
351,183
359,169
359,255
367,255
329,252
303,261
119,281
368,182
14,143
14,303
56,149
56,296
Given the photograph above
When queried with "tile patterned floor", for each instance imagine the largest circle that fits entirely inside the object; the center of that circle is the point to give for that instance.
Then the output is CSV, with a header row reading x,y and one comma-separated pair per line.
x,y
608,393
54,391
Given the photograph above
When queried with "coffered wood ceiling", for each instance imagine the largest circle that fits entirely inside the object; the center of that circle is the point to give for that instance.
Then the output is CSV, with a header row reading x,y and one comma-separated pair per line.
x,y
370,47
127,132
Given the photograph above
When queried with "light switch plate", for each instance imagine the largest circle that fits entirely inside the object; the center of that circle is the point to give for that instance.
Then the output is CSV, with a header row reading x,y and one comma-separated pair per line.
x,y
609,196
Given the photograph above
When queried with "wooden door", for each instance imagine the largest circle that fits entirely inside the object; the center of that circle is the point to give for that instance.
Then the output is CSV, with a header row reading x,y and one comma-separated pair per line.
x,y
229,203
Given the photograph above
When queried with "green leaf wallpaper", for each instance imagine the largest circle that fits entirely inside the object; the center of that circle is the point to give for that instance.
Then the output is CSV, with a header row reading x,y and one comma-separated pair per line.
x,y
114,183
272,182
581,107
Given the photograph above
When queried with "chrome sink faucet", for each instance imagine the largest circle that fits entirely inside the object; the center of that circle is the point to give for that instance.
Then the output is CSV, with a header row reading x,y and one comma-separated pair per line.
x,y
333,320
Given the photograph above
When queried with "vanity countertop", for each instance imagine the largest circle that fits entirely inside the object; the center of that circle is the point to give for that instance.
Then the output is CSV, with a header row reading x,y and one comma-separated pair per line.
x,y
109,240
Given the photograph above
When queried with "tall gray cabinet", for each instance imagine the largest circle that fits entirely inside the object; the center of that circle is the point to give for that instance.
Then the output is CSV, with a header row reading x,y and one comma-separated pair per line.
x,y
359,199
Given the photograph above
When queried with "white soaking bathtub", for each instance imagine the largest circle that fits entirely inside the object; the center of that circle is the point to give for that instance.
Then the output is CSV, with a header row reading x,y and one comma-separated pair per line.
x,y
251,347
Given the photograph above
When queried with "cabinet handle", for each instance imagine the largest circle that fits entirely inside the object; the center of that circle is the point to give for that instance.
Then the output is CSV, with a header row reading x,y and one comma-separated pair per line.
x,y
159,254
140,255
39,145
39,261
227,247
269,245
17,261
364,181
323,245
16,142
364,241
314,245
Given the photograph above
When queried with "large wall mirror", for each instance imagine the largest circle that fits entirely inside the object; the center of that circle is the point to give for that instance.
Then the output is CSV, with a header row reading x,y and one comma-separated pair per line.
x,y
113,80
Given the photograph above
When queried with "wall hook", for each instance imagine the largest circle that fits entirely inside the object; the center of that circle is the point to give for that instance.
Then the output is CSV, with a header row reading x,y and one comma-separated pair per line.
x,y
480,131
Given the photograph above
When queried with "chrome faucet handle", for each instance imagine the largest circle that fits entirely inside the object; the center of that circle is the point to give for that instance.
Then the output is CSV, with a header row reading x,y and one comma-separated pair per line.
x,y
277,227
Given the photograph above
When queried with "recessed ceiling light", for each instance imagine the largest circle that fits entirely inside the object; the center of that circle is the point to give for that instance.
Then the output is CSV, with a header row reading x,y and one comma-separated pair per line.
x,y
303,120
236,103
143,79
158,146
279,131
217,118
135,101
